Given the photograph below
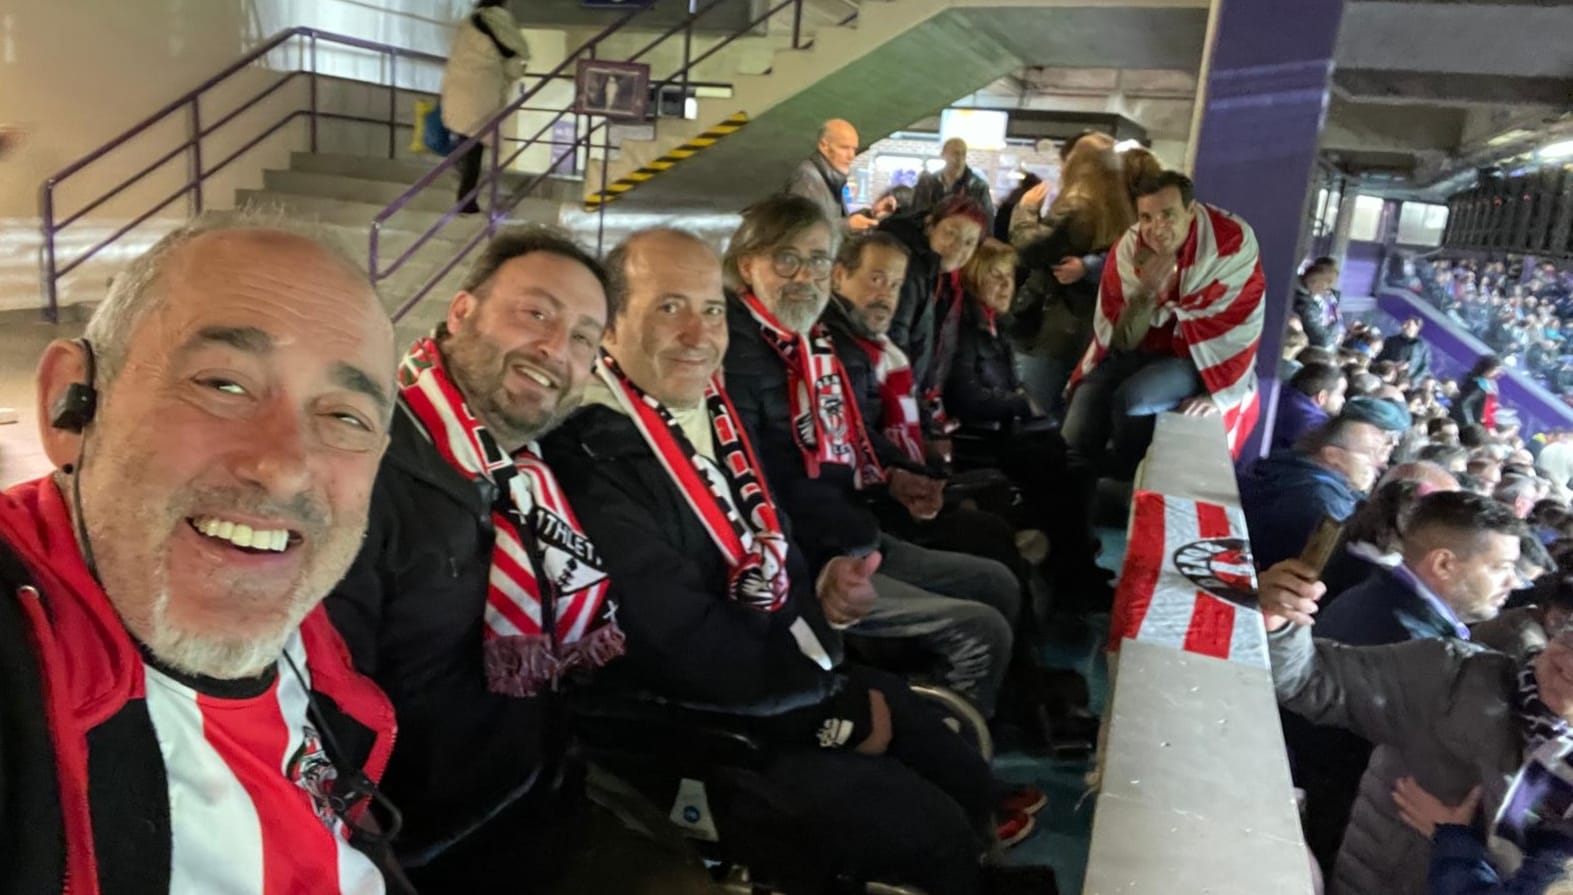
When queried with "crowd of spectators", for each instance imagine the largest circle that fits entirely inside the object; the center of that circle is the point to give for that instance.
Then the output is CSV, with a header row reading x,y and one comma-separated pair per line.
x,y
1425,670
1520,311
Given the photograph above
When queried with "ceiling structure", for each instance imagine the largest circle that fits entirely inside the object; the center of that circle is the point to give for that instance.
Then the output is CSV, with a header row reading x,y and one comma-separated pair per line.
x,y
1424,92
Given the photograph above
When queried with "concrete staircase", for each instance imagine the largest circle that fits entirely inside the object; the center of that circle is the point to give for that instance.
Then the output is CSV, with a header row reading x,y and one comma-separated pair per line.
x,y
344,193
898,62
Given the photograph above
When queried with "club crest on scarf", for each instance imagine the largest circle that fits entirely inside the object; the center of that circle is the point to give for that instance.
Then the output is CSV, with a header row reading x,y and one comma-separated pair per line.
x,y
826,425
547,611
310,769
730,499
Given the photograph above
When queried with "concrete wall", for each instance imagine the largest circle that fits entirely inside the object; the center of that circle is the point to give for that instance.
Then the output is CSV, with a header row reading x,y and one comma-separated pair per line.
x,y
75,73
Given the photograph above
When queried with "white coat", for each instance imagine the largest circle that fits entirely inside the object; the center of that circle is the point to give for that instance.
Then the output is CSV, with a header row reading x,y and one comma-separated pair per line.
x,y
476,80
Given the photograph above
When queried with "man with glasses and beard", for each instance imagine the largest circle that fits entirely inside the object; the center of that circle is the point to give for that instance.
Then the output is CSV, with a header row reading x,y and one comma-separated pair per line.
x,y
477,597
176,712
794,397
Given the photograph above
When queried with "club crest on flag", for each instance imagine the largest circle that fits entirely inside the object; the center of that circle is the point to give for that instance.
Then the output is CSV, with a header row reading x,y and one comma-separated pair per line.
x,y
1220,566
1188,580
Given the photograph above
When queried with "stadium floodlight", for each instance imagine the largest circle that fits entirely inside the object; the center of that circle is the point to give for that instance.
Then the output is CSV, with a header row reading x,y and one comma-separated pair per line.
x,y
1556,151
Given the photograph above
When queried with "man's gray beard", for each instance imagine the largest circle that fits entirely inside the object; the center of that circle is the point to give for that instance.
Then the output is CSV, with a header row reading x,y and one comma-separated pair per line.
x,y
798,316
217,656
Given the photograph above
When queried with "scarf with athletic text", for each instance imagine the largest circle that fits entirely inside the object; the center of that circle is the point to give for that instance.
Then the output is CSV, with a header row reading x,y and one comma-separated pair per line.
x,y
897,394
732,502
826,422
546,606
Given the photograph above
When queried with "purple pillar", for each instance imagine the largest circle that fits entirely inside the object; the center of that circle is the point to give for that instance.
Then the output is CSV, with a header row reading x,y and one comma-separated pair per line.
x,y
1267,89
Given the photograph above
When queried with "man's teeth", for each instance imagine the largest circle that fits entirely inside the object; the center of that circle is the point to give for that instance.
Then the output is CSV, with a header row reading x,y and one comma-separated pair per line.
x,y
240,535
543,379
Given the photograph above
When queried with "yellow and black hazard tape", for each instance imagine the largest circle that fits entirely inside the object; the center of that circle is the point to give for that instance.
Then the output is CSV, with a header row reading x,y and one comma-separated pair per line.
x,y
689,149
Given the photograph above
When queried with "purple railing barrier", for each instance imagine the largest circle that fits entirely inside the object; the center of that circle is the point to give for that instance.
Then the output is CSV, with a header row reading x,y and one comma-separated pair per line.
x,y
490,133
189,105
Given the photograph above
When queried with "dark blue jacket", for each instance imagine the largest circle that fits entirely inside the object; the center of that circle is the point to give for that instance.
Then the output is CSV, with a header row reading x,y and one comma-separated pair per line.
x,y
1460,864
1380,610
1284,495
1297,415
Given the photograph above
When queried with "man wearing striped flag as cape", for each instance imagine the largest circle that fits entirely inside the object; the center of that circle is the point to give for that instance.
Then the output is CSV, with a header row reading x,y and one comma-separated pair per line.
x,y
1178,320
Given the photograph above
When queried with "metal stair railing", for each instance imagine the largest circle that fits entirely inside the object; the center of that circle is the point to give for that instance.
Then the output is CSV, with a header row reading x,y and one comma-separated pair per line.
x,y
189,105
596,135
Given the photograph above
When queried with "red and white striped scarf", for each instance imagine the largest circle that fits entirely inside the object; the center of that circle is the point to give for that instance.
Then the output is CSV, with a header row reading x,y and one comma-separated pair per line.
x,y
748,535
826,422
1218,311
546,606
897,394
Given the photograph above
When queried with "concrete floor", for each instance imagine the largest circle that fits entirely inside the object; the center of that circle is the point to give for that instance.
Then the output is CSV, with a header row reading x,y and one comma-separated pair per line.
x,y
22,341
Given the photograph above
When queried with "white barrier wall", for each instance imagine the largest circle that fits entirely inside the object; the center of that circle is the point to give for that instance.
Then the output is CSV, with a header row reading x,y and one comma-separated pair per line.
x,y
1194,794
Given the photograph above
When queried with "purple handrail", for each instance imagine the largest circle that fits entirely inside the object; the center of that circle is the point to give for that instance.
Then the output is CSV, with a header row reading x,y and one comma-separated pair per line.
x,y
52,271
490,133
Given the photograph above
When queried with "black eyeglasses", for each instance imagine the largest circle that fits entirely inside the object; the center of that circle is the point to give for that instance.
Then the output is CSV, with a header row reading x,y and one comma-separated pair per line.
x,y
787,264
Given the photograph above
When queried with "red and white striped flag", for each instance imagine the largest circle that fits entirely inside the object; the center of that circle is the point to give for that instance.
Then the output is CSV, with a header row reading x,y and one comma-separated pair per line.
x,y
1188,581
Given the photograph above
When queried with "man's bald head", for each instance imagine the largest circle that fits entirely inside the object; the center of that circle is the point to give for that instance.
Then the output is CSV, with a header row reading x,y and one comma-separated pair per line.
x,y
1429,476
838,143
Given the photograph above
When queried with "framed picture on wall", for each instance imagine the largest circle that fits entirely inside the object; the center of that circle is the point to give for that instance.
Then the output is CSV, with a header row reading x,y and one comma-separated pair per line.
x,y
618,90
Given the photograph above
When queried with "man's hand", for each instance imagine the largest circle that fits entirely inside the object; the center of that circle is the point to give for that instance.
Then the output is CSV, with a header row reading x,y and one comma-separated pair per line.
x,y
1425,812
1288,592
885,206
860,222
1069,270
878,739
846,588
922,496
1198,405
1156,272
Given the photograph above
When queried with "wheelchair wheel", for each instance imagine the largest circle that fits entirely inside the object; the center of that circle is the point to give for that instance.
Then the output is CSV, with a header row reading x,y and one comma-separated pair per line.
x,y
960,716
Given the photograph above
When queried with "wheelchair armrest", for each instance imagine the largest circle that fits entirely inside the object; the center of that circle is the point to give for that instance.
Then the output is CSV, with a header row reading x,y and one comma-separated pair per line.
x,y
645,727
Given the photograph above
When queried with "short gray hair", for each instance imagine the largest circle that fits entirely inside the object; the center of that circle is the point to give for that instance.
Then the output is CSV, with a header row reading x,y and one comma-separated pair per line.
x,y
134,292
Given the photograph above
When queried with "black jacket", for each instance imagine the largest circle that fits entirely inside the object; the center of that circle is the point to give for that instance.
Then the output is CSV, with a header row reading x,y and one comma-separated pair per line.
x,y
931,192
1400,348
912,327
827,513
410,609
1469,408
1312,317
688,643
983,386
845,332
1054,319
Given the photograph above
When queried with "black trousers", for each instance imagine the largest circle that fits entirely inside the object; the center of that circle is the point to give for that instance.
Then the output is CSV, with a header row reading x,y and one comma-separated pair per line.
x,y
470,168
920,814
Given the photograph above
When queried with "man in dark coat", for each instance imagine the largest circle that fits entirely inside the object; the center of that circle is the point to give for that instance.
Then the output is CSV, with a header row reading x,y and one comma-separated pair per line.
x,y
431,609
955,179
723,613
1287,492
1460,563
1312,396
1407,350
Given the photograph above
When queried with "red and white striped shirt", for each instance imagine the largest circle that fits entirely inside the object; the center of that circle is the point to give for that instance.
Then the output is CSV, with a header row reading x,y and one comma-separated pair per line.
x,y
230,763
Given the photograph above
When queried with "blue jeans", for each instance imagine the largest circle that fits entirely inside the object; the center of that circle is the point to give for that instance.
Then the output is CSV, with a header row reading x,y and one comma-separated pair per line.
x,y
1117,402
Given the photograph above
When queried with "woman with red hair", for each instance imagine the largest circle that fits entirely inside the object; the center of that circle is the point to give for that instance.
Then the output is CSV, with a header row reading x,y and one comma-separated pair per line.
x,y
928,313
